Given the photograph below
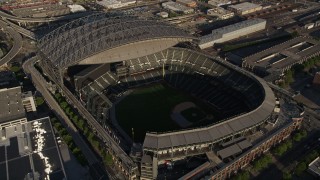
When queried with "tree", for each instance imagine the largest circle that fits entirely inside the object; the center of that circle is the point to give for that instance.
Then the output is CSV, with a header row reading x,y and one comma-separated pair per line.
x,y
67,138
298,68
280,150
90,136
86,131
304,133
76,151
295,34
63,132
54,120
297,137
244,175
82,160
81,124
262,163
311,156
289,76
15,69
67,110
286,175
39,101
300,168
75,119
108,159
58,126
64,105
71,114
289,144
58,96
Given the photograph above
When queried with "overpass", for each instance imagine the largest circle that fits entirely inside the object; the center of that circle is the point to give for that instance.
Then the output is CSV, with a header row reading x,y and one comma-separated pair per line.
x,y
5,15
22,30
17,43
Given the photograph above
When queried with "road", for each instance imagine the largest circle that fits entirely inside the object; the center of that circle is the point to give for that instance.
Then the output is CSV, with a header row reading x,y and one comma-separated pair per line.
x,y
17,43
117,151
22,30
5,15
40,84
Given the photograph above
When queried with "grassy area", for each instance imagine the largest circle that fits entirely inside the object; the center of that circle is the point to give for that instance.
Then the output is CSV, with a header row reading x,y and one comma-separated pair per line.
x,y
193,114
148,109
39,101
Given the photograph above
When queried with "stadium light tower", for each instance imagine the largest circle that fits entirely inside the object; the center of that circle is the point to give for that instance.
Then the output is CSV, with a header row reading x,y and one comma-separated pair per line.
x,y
132,131
163,70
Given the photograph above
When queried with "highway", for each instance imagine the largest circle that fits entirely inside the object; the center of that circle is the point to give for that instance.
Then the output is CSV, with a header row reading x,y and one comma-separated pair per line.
x,y
17,43
40,84
5,15
22,30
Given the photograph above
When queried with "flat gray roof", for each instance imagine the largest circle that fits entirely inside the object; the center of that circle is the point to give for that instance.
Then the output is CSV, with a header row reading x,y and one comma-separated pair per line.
x,y
27,147
314,166
11,106
244,144
218,33
245,6
284,54
229,151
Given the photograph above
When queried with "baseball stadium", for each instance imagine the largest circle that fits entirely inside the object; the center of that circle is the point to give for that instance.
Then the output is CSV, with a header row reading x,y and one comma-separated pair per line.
x,y
137,79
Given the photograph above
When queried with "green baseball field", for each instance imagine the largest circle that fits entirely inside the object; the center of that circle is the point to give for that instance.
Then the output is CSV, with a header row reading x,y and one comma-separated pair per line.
x,y
149,108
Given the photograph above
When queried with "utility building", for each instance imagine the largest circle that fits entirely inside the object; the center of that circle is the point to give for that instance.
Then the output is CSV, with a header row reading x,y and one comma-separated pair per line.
x,y
233,31
244,8
173,6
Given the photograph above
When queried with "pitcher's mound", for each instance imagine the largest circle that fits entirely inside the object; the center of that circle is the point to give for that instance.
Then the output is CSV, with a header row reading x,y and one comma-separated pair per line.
x,y
187,113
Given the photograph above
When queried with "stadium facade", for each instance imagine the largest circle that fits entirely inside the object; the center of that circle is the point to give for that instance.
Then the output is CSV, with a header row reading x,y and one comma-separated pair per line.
x,y
222,85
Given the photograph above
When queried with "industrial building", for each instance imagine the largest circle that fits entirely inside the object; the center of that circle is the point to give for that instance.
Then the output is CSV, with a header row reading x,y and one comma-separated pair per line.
x,y
314,167
28,102
189,3
176,7
244,8
76,8
46,10
281,57
163,14
221,13
233,31
14,104
16,4
11,106
114,4
28,150
218,3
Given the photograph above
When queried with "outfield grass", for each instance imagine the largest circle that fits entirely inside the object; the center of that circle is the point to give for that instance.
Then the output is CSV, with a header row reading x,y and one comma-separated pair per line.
x,y
148,109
